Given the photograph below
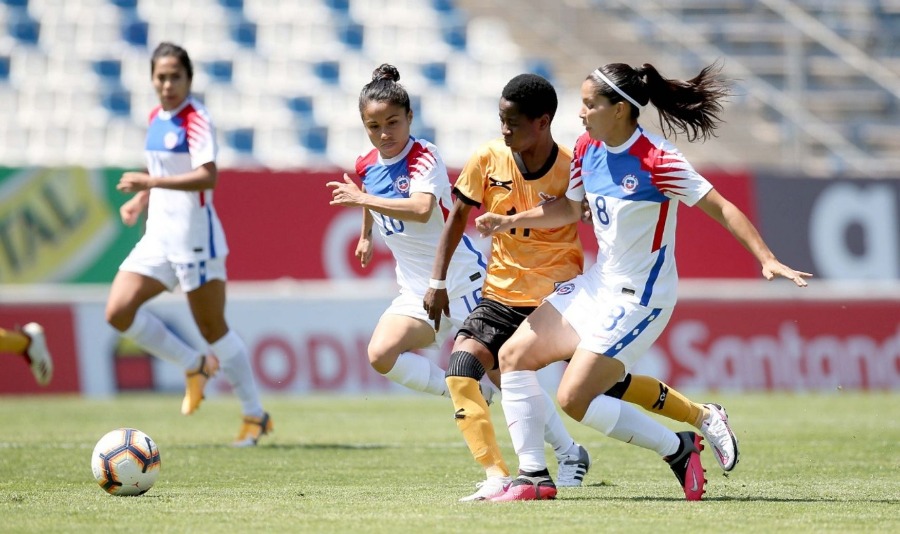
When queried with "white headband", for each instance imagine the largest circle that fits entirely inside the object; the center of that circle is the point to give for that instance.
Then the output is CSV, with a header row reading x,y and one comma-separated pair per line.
x,y
615,87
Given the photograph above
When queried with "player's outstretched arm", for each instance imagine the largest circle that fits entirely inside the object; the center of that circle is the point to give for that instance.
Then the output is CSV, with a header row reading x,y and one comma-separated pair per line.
x,y
559,212
436,301
416,208
733,219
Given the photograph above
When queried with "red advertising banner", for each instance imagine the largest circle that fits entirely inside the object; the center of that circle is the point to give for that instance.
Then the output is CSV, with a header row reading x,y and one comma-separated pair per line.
x,y
280,224
792,345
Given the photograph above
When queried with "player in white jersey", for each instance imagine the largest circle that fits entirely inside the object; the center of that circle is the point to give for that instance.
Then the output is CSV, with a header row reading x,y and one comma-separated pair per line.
x,y
29,342
406,194
183,245
608,317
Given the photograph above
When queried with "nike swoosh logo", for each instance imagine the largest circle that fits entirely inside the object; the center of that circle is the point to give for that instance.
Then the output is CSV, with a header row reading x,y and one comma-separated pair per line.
x,y
694,477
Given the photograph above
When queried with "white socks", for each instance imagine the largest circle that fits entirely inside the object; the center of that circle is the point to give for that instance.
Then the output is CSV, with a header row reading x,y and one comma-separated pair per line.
x,y
153,336
525,407
235,362
555,432
626,423
419,373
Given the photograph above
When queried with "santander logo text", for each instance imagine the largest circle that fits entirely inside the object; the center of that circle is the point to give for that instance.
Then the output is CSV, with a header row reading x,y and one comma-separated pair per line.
x,y
783,360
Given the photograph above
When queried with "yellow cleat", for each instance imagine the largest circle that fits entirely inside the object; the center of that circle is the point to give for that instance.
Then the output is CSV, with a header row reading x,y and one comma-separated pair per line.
x,y
252,429
195,382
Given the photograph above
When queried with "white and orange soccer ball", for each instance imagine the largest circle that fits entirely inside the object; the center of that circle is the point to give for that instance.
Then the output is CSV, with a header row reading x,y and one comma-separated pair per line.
x,y
125,462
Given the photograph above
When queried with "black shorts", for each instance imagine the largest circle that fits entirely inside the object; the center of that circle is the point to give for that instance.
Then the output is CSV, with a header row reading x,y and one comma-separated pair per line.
x,y
492,323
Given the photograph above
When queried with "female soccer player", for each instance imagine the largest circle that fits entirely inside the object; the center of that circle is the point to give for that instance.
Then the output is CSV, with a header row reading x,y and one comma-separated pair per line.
x,y
30,343
608,317
407,194
183,244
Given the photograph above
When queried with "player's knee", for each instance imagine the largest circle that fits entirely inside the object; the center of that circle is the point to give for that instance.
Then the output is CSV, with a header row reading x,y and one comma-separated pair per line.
x,y
465,364
572,402
514,357
119,317
381,357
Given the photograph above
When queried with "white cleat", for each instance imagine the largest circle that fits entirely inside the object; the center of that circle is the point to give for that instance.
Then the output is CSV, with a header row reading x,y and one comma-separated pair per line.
x,y
37,353
720,437
488,489
573,469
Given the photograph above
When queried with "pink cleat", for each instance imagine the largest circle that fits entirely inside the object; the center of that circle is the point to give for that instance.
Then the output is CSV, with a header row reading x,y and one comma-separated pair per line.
x,y
687,467
528,488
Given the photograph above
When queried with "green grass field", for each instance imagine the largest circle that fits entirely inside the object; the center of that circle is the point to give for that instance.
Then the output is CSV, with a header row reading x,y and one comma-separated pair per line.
x,y
810,463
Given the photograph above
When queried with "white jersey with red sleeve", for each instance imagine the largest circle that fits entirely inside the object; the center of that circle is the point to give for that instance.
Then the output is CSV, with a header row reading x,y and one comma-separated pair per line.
x,y
183,224
633,191
419,169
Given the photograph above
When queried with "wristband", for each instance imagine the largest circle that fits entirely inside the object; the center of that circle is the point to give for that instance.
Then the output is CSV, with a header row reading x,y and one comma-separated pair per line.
x,y
437,284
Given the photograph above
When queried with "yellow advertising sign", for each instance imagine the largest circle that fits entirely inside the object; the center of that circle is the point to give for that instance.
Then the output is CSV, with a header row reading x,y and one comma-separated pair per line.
x,y
53,222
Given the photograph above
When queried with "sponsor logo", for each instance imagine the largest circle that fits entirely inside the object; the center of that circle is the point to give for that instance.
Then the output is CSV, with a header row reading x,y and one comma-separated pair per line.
x,y
694,485
629,183
53,222
545,198
663,394
493,182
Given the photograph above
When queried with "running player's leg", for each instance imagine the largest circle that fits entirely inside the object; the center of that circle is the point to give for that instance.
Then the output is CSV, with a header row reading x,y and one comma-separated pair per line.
x,y
390,354
207,303
464,373
124,312
31,344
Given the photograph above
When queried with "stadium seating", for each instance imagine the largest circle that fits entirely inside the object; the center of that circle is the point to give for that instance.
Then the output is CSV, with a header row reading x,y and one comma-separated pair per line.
x,y
282,78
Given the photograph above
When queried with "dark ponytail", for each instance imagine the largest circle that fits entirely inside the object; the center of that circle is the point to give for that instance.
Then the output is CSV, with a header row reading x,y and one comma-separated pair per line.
x,y
691,107
384,88
167,49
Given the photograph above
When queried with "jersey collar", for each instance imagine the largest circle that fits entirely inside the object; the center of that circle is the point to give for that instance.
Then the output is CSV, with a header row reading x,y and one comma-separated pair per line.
x,y
166,115
399,156
627,144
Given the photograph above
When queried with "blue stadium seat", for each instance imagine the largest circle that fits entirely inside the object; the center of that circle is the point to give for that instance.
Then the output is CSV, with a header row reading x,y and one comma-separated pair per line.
x,y
15,3
302,106
435,72
24,29
314,138
454,33
117,102
351,34
240,139
244,33
108,69
443,6
540,67
4,69
135,32
124,4
233,5
219,71
328,71
338,5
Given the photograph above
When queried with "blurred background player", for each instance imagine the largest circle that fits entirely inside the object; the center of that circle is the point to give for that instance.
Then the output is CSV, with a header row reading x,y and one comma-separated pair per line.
x,y
29,341
406,192
183,244
633,182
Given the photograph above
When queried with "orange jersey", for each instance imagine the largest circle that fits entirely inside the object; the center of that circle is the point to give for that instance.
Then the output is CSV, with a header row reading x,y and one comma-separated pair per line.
x,y
526,264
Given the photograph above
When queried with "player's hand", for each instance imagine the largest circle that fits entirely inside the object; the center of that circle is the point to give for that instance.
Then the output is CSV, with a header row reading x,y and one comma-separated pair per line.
x,y
129,212
346,193
490,223
773,268
132,182
585,211
436,303
364,250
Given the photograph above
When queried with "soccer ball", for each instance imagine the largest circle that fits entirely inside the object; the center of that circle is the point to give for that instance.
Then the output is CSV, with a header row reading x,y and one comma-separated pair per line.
x,y
125,462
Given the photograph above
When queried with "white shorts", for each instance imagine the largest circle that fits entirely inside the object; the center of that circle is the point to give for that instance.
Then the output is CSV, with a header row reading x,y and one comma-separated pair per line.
x,y
409,304
148,262
608,324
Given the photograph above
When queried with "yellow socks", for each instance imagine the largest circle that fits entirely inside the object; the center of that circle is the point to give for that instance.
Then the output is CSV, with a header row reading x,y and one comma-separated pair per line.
x,y
657,397
12,341
474,421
